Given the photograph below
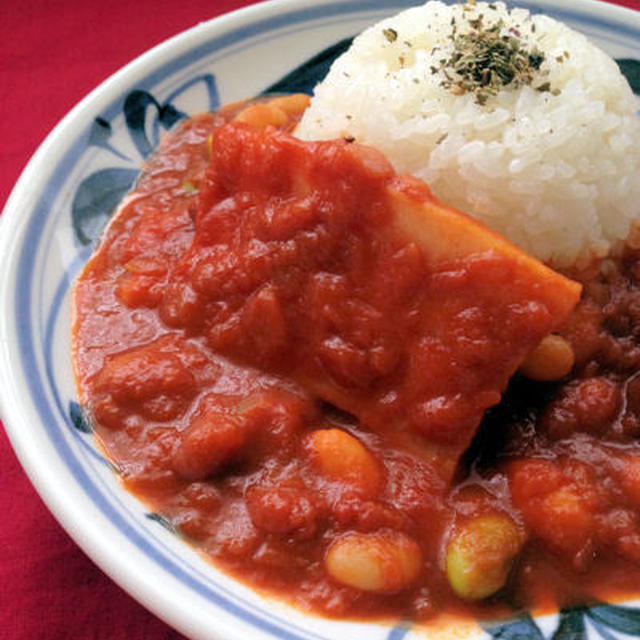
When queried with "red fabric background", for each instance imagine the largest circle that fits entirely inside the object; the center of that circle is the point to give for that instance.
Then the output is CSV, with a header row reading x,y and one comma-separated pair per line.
x,y
51,55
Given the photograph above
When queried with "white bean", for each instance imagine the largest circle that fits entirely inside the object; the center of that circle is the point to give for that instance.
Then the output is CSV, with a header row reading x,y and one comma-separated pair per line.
x,y
340,456
384,561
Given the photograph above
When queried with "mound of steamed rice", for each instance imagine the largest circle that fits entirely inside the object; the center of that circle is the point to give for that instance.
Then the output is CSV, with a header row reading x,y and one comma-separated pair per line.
x,y
557,171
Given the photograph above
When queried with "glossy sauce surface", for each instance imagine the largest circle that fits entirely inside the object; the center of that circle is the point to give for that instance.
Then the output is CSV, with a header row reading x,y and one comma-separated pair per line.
x,y
217,417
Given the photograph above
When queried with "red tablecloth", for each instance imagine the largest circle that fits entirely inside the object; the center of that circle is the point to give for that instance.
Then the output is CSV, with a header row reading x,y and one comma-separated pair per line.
x,y
51,55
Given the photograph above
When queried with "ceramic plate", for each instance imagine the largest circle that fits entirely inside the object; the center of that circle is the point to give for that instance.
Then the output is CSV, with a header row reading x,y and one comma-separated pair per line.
x,y
47,232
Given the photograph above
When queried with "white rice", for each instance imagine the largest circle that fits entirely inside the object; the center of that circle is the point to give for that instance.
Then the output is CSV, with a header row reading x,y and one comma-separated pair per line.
x,y
557,172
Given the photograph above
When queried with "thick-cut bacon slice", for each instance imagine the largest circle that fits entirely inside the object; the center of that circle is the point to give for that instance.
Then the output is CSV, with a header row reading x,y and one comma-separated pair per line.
x,y
314,261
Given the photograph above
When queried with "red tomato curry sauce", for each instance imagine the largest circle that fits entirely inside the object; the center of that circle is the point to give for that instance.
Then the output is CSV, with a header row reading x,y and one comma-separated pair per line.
x,y
254,363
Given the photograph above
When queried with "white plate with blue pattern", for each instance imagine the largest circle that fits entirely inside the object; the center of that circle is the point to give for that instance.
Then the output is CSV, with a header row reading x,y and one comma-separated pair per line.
x,y
48,230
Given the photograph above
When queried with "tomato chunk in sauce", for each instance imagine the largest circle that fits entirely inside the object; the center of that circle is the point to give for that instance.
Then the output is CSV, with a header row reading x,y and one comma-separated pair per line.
x,y
315,262
286,349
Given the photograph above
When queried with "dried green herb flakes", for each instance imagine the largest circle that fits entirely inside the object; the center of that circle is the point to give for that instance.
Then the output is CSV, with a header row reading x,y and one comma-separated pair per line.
x,y
488,58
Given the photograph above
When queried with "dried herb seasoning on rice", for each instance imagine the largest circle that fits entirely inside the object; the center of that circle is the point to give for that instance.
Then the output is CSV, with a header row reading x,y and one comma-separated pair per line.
x,y
514,118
